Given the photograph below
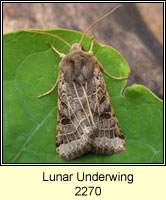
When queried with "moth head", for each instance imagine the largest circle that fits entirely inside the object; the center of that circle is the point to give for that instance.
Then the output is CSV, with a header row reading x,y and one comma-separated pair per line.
x,y
76,47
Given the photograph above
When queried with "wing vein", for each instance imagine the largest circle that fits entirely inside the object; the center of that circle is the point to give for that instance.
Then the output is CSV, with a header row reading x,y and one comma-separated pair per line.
x,y
90,112
70,108
81,103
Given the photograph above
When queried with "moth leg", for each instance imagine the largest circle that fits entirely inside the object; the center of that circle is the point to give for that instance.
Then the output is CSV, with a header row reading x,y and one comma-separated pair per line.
x,y
52,89
53,48
116,78
91,46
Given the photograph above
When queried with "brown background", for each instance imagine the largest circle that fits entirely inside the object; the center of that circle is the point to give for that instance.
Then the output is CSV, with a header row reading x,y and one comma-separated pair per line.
x,y
135,30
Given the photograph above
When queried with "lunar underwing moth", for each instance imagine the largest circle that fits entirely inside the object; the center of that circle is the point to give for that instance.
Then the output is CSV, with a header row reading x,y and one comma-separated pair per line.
x,y
86,120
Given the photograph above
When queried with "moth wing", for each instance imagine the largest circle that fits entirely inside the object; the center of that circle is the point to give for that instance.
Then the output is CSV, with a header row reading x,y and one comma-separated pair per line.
x,y
86,119
108,134
74,130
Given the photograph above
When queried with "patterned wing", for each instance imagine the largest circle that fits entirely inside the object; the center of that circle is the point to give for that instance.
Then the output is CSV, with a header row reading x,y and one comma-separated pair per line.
x,y
74,127
108,135
86,119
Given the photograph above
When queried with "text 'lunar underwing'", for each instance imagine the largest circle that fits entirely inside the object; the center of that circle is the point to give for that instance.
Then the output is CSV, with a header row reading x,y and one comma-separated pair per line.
x,y
86,120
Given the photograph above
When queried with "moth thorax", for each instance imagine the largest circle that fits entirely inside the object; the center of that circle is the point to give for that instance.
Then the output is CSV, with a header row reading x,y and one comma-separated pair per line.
x,y
77,66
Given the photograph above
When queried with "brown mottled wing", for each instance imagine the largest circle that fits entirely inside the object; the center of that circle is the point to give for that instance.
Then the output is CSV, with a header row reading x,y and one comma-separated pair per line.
x,y
86,120
74,128
108,135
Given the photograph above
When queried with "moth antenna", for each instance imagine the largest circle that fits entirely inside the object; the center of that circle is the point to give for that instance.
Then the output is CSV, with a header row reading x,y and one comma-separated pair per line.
x,y
98,20
52,35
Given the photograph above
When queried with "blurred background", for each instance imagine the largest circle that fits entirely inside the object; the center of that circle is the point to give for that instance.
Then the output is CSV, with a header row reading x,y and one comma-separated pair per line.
x,y
135,30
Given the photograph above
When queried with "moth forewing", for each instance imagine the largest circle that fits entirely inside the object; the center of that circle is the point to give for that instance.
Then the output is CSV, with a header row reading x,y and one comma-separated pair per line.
x,y
109,137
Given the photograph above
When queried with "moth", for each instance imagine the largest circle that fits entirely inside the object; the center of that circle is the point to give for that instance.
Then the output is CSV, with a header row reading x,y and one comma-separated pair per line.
x,y
86,119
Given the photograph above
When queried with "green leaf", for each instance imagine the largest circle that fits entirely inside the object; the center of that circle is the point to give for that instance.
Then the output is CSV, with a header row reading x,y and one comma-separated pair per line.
x,y
29,124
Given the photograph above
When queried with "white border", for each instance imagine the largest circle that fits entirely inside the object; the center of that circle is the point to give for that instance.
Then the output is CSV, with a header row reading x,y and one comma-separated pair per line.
x,y
75,164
